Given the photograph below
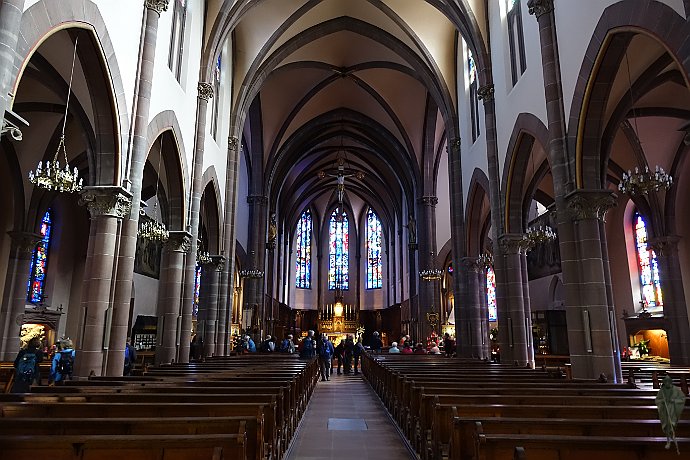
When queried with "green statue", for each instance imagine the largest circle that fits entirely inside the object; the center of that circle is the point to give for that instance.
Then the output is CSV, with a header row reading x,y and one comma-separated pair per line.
x,y
670,402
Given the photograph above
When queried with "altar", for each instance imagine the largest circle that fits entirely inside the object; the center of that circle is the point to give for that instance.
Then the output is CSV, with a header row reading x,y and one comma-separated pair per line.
x,y
338,320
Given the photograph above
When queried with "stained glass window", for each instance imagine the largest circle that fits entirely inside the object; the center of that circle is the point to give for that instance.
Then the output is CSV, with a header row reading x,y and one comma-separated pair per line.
x,y
491,294
39,262
648,267
303,262
374,275
338,243
197,288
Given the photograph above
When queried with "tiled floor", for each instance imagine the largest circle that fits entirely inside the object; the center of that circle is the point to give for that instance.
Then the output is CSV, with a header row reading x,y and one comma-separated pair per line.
x,y
359,426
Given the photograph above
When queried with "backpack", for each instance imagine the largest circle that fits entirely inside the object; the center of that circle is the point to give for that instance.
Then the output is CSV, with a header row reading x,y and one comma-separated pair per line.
x,y
65,364
26,368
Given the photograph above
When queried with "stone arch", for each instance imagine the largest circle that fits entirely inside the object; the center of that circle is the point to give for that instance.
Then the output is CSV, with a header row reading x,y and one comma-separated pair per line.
x,y
478,192
45,18
528,131
165,123
210,210
609,41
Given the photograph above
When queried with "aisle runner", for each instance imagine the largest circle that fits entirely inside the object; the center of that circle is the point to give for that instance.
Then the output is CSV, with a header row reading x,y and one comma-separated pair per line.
x,y
345,420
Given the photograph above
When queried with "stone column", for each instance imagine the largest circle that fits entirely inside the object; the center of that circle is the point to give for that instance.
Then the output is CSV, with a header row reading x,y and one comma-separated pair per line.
x,y
469,326
428,290
254,287
128,237
611,306
484,313
271,315
23,245
208,308
107,206
591,328
675,310
204,93
10,22
170,295
514,325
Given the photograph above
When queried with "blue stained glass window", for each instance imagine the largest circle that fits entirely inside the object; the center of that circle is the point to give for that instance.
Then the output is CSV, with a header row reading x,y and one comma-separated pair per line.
x,y
39,262
338,243
648,267
303,262
491,294
197,288
374,275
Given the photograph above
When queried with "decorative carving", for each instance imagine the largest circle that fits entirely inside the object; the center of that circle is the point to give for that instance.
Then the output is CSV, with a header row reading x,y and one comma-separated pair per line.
x,y
513,243
257,199
428,200
664,245
24,241
471,265
218,262
453,146
204,90
179,242
233,143
486,93
106,201
539,7
157,5
589,204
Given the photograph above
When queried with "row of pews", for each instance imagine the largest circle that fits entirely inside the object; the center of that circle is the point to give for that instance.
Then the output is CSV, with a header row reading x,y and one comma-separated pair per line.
x,y
462,410
243,407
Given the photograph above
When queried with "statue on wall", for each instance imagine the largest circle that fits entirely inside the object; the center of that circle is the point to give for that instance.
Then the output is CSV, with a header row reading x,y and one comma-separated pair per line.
x,y
272,230
412,228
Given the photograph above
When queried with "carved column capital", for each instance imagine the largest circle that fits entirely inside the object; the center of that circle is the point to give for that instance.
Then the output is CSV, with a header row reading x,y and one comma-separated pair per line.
x,y
470,264
204,90
589,204
25,241
453,146
486,93
513,243
257,199
428,200
106,201
540,7
233,143
217,263
178,241
157,5
664,245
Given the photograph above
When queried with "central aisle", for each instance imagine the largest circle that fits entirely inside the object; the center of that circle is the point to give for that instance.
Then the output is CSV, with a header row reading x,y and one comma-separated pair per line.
x,y
345,420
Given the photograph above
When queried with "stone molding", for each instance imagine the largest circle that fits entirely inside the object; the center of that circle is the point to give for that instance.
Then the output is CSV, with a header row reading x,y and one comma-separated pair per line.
x,y
157,5
428,200
513,243
110,201
589,204
486,93
204,90
664,245
257,199
540,7
25,241
178,241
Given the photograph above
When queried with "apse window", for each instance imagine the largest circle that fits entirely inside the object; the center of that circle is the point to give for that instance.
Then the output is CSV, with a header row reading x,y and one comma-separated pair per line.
x,y
648,268
176,51
374,271
338,247
303,262
39,262
516,40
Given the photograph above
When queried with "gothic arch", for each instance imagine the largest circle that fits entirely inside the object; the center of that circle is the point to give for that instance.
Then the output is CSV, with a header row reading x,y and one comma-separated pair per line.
x,y
478,194
211,209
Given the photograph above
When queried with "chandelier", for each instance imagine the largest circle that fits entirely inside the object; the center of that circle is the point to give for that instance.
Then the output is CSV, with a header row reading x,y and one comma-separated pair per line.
x,y
644,182
431,274
539,235
254,273
53,176
486,260
152,229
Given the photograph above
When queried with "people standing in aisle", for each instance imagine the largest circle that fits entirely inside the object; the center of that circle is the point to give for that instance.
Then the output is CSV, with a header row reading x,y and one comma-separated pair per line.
x,y
62,366
326,352
130,357
348,350
26,371
448,345
339,350
357,353
195,349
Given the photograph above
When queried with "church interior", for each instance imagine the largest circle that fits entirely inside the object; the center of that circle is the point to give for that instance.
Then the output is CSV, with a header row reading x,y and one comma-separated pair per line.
x,y
494,182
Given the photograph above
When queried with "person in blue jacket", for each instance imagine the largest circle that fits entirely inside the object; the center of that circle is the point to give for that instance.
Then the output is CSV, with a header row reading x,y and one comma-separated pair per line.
x,y
62,366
